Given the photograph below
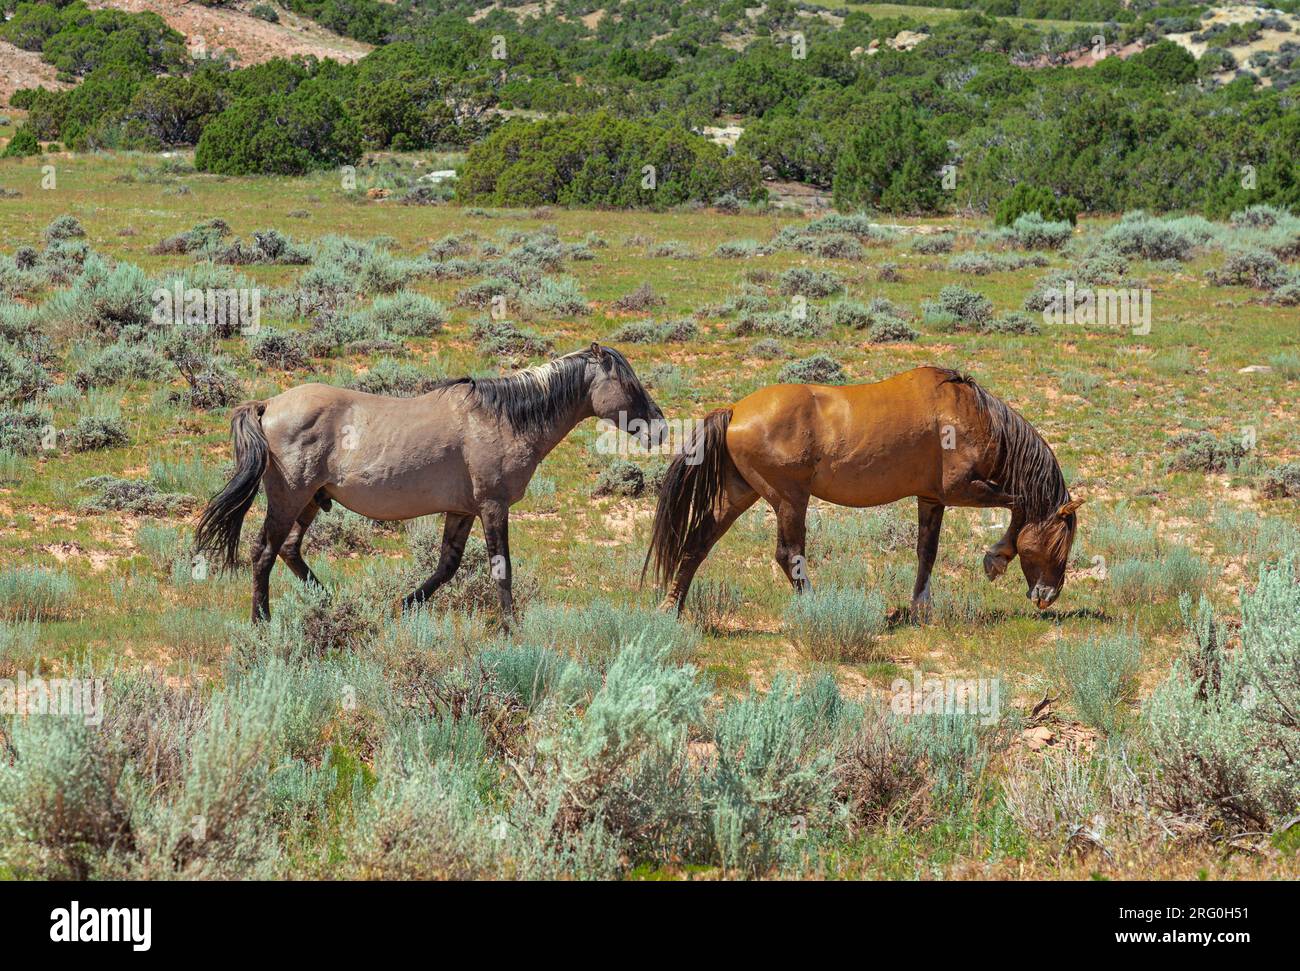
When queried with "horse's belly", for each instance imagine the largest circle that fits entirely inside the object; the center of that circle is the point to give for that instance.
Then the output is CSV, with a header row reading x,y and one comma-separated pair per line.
x,y
404,495
848,484
873,461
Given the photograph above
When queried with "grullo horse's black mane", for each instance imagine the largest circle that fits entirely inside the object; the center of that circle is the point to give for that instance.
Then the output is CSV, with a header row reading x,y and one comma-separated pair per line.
x,y
1025,465
537,396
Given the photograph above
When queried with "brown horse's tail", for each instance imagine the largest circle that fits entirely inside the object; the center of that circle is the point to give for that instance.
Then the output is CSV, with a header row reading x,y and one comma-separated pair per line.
x,y
689,499
219,528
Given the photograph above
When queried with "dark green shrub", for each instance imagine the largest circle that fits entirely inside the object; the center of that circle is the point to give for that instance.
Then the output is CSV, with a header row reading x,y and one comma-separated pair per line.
x,y
892,162
23,143
1026,198
1169,62
599,159
280,135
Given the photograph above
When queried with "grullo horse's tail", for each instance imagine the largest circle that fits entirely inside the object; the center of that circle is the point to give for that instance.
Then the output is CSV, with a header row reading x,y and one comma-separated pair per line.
x,y
689,499
219,528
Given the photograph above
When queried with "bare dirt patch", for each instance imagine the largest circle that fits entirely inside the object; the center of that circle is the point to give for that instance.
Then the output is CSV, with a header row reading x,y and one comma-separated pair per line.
x,y
252,40
23,69
1269,40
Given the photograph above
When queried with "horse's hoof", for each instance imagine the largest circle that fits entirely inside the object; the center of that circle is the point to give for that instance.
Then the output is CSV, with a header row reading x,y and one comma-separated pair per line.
x,y
994,566
921,612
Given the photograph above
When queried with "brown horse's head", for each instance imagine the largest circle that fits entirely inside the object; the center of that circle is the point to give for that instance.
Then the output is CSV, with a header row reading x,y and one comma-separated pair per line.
x,y
1044,550
616,394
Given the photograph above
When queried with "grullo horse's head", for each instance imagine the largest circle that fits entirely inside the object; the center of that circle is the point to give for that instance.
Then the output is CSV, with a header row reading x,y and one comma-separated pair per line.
x,y
617,395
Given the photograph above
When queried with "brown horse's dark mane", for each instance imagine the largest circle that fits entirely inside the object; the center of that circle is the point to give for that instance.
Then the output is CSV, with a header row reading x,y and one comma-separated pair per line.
x,y
1025,464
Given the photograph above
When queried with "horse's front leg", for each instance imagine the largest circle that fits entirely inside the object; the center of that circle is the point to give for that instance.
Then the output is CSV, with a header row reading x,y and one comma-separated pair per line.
x,y
929,517
1001,553
791,531
988,495
496,531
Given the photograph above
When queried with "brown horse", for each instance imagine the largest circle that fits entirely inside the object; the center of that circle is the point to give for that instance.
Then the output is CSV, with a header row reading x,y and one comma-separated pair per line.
x,y
467,448
929,432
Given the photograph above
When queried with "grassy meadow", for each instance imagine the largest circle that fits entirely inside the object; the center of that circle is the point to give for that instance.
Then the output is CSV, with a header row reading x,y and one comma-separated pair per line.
x,y
436,712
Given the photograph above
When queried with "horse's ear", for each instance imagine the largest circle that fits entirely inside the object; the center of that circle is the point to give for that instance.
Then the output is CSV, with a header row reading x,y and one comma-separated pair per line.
x,y
597,351
1069,507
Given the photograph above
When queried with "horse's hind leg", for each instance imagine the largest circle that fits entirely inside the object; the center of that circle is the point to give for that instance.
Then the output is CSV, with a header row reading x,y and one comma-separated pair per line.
x,y
455,531
291,551
283,507
275,530
929,517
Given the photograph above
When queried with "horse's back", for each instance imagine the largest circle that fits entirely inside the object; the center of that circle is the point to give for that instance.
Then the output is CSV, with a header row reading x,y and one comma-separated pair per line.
x,y
387,458
856,445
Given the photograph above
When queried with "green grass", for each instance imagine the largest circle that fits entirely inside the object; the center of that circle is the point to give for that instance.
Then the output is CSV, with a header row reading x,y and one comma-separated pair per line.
x,y
1107,402
937,15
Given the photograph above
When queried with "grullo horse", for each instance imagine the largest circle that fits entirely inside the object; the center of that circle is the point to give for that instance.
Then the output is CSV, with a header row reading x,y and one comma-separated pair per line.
x,y
467,448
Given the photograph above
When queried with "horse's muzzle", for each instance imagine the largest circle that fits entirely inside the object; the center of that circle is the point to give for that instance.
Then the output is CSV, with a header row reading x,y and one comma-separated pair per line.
x,y
656,432
1043,596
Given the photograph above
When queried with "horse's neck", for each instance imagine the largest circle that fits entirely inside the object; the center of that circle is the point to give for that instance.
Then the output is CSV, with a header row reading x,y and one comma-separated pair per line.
x,y
546,438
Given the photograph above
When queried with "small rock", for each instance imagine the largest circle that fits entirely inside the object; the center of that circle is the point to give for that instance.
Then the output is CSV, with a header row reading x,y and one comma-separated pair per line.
x,y
1254,369
1036,738
905,40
